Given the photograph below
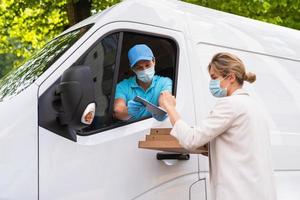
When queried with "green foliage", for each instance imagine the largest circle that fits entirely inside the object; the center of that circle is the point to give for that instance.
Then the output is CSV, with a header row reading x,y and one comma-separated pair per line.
x,y
6,61
27,25
280,12
103,4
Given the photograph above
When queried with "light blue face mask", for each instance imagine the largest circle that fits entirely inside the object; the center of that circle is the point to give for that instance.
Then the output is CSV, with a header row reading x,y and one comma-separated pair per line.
x,y
216,90
146,75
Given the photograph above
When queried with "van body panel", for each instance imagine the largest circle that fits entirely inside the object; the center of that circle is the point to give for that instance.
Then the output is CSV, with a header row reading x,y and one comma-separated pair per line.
x,y
175,190
98,164
18,146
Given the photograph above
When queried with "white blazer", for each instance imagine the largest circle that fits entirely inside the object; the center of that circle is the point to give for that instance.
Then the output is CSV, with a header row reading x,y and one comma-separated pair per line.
x,y
239,151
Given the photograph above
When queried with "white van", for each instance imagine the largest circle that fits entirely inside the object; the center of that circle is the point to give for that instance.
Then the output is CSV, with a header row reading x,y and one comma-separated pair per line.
x,y
47,153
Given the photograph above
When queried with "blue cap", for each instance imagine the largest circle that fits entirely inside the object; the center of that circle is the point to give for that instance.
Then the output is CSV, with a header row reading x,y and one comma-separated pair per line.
x,y
139,52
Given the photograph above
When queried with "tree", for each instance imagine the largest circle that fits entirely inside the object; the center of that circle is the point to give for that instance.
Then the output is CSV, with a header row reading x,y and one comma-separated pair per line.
x,y
78,10
5,62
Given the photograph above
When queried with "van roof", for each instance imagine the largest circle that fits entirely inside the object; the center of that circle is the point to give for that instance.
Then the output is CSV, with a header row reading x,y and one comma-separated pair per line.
x,y
204,25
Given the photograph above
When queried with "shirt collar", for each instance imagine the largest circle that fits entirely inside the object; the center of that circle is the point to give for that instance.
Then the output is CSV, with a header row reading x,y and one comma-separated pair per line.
x,y
240,92
136,85
134,82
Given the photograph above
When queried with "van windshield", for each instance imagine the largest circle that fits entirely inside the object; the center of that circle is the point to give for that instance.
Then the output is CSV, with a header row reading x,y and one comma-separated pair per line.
x,y
23,76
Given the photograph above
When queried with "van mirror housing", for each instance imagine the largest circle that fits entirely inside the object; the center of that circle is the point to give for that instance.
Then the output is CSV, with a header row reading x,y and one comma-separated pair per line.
x,y
76,93
69,104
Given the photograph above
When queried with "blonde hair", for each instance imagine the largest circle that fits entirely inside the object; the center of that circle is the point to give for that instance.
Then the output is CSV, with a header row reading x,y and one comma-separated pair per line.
x,y
226,63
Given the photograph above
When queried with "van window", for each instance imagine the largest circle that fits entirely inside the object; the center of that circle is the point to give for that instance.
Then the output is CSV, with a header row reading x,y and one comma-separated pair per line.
x,y
109,63
20,78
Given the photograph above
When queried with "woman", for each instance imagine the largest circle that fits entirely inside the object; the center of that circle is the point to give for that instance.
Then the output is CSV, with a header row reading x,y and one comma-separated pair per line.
x,y
239,150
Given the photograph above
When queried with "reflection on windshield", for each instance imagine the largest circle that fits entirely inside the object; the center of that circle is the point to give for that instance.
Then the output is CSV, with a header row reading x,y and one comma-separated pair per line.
x,y
19,79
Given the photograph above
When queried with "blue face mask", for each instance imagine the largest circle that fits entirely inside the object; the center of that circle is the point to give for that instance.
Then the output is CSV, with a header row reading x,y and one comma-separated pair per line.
x,y
216,90
146,75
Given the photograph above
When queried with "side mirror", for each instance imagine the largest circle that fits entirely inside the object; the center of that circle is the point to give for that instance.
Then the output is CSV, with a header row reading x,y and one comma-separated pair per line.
x,y
76,93
69,105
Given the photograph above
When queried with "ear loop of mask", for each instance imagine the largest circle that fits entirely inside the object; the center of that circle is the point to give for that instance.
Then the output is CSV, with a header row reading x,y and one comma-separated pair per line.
x,y
226,88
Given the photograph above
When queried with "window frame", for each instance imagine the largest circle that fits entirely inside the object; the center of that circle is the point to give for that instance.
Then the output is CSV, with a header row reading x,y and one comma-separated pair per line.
x,y
116,73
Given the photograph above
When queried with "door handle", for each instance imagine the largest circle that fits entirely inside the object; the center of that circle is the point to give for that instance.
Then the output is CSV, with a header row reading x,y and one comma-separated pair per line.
x,y
172,156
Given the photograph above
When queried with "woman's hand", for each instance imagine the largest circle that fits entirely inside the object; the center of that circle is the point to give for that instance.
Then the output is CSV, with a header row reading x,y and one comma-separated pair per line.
x,y
167,101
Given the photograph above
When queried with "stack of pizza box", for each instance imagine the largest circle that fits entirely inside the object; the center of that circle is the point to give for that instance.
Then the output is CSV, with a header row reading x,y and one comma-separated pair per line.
x,y
160,139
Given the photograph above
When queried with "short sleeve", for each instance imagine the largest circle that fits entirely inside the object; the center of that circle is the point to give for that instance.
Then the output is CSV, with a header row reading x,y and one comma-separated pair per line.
x,y
121,91
166,84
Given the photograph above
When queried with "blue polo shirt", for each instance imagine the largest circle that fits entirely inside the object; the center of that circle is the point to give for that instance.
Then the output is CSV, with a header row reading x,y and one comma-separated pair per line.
x,y
128,89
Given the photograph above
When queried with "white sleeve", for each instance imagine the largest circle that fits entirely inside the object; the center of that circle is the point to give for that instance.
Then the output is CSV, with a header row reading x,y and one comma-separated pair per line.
x,y
217,122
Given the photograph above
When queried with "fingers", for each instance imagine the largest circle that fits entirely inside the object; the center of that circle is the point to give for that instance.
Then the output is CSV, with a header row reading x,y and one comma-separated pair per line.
x,y
167,100
165,94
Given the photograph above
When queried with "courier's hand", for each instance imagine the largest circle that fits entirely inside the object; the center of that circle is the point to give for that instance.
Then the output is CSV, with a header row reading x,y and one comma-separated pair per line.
x,y
159,117
167,101
134,108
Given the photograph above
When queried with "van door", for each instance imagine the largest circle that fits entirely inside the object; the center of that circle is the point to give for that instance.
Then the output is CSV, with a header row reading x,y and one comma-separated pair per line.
x,y
105,162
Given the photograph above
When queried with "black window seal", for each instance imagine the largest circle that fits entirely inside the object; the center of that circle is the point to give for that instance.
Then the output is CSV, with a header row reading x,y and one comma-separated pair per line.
x,y
116,74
